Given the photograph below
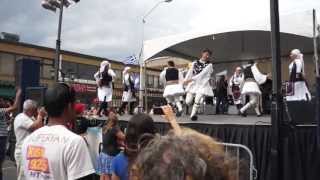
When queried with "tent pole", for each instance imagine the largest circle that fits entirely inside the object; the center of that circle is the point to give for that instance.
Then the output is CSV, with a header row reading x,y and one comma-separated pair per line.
x,y
276,107
316,59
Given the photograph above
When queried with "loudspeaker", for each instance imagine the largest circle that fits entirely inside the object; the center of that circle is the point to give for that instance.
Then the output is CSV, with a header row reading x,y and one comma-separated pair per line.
x,y
301,112
28,75
36,94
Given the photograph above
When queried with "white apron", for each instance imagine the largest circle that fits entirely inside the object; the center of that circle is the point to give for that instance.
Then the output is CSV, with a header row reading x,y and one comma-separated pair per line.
x,y
301,91
127,96
171,89
251,86
104,92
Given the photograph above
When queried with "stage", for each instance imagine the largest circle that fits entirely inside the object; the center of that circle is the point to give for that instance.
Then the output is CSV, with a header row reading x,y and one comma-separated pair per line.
x,y
215,119
300,155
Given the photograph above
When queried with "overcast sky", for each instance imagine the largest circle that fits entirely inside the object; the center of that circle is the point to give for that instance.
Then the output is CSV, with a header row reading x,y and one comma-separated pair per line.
x,y
113,28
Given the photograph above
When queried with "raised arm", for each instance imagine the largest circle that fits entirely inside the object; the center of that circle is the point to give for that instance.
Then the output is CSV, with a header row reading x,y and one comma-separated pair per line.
x,y
189,73
111,73
171,118
162,77
16,102
258,76
97,78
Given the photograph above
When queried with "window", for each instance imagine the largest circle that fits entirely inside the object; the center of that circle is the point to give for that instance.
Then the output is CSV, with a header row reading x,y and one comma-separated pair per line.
x,y
150,81
7,64
156,82
86,71
46,69
69,67
118,75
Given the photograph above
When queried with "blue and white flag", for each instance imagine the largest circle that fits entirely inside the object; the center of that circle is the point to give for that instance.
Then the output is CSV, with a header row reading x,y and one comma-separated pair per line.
x,y
131,60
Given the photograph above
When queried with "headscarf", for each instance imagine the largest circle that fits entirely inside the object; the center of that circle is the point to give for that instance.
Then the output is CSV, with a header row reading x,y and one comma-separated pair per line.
x,y
103,65
126,69
299,56
298,53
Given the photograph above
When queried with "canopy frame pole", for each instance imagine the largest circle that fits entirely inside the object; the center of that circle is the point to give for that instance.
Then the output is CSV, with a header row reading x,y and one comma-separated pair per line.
x,y
316,59
276,107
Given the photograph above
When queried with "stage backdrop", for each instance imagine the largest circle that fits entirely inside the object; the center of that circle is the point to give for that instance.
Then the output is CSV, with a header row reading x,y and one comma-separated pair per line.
x,y
301,161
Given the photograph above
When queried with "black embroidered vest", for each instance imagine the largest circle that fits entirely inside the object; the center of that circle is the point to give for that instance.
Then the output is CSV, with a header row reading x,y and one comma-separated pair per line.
x,y
172,74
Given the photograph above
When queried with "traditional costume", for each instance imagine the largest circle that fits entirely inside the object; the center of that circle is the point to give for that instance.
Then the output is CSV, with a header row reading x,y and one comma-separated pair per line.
x,y
298,90
252,79
172,78
104,78
200,74
235,84
128,96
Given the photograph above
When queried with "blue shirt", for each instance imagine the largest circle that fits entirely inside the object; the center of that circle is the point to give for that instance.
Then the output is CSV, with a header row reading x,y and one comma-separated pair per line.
x,y
120,166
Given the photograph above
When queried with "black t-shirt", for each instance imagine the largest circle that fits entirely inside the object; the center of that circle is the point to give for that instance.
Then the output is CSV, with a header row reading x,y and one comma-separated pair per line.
x,y
109,142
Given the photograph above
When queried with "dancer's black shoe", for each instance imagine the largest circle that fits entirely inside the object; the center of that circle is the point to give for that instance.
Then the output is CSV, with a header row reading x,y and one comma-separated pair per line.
x,y
120,112
179,113
259,115
194,118
243,114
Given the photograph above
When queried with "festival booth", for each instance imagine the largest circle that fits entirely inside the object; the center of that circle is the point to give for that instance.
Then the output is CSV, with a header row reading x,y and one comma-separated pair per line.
x,y
235,44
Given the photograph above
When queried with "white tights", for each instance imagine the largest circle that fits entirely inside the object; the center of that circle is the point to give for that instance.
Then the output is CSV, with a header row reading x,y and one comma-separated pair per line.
x,y
197,100
254,102
175,100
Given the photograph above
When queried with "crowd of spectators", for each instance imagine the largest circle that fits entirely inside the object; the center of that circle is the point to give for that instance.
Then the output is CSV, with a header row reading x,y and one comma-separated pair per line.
x,y
49,146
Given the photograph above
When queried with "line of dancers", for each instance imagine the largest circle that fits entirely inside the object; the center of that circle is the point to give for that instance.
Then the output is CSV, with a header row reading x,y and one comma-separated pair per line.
x,y
197,85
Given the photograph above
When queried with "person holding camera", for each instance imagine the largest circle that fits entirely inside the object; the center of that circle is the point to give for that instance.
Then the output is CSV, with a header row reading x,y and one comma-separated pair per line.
x,y
24,124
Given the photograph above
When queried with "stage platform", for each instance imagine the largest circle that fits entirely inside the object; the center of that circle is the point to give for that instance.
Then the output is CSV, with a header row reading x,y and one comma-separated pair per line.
x,y
214,119
301,160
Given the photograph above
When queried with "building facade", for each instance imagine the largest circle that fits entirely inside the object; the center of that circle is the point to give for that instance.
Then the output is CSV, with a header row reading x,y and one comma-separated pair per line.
x,y
78,70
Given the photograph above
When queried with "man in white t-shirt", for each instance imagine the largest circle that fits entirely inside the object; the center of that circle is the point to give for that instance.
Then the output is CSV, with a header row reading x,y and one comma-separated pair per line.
x,y
24,124
53,152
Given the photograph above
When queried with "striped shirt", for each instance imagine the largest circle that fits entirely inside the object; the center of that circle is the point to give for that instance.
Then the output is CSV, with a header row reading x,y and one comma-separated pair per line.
x,y
3,123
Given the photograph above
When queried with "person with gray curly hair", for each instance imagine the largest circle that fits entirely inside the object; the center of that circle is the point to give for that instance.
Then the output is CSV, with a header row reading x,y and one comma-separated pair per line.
x,y
182,154
24,124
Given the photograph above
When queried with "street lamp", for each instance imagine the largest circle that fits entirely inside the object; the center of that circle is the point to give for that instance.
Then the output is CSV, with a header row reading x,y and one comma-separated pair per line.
x,y
141,60
53,5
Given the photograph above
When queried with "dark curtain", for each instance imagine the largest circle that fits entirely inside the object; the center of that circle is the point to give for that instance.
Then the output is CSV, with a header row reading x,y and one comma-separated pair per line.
x,y
300,157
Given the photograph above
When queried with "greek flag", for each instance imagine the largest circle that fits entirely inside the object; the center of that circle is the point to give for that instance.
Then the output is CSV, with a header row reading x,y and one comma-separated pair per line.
x,y
131,60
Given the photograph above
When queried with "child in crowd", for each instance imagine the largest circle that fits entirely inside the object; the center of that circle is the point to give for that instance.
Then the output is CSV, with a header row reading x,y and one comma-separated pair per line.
x,y
139,131
112,140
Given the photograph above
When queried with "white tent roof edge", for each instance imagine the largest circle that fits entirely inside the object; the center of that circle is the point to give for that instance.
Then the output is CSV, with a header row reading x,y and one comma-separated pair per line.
x,y
296,24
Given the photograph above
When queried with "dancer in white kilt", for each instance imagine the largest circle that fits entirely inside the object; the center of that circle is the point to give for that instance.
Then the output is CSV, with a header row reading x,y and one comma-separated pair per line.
x,y
235,84
252,79
198,82
104,78
128,96
172,78
299,89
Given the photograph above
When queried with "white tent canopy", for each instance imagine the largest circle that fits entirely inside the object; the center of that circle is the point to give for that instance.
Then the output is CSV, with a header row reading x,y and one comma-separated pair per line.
x,y
299,26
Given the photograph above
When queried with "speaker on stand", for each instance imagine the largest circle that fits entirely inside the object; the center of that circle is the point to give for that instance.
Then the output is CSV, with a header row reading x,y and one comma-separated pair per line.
x,y
28,75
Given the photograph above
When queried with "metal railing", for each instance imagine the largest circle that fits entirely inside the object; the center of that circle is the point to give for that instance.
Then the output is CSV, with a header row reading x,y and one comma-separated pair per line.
x,y
241,153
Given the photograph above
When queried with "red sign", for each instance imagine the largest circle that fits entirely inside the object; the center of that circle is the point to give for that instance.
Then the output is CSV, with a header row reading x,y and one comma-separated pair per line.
x,y
83,88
